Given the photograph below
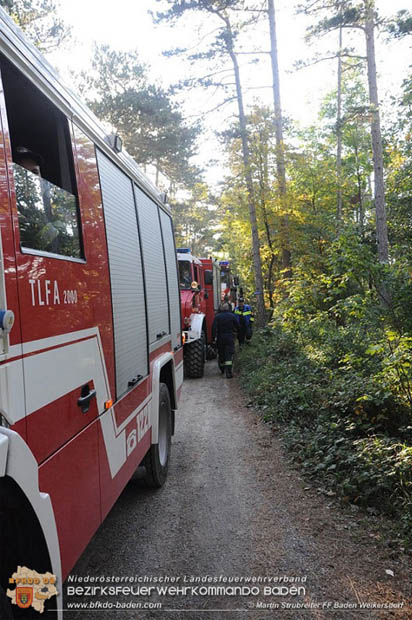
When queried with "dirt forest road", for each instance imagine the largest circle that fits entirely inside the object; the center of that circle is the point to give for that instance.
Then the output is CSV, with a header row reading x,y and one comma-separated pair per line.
x,y
234,507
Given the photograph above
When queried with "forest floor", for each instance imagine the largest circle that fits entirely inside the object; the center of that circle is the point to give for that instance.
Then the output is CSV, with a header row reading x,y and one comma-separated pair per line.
x,y
234,506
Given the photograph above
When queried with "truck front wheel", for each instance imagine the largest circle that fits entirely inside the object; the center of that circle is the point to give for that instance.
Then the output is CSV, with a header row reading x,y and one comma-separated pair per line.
x,y
156,461
194,358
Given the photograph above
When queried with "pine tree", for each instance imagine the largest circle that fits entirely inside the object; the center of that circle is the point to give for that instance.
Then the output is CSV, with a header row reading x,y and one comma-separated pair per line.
x,y
150,123
280,147
40,21
224,45
360,14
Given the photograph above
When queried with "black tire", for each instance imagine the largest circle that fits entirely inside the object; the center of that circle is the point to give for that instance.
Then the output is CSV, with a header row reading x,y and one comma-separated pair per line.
x,y
156,461
194,358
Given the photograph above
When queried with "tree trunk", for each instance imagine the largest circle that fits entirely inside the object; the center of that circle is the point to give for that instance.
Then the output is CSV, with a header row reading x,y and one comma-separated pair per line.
x,y
280,147
264,185
380,209
257,264
339,138
360,194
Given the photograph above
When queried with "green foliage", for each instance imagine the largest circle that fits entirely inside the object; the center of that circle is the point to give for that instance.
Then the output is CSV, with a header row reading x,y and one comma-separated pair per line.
x,y
401,24
311,189
39,20
194,219
335,368
374,471
342,417
151,124
234,211
399,174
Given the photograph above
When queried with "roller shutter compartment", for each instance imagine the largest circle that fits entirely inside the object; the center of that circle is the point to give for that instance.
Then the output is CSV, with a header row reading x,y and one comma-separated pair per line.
x,y
154,267
126,275
172,281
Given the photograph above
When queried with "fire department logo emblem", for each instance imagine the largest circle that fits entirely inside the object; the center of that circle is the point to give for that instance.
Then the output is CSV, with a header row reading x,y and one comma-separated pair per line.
x,y
32,589
24,597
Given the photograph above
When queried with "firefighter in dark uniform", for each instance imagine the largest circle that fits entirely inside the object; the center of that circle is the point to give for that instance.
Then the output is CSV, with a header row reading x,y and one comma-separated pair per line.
x,y
244,316
223,328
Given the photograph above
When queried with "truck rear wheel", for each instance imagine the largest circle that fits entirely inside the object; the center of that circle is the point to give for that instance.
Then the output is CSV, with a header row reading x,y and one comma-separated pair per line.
x,y
194,358
156,461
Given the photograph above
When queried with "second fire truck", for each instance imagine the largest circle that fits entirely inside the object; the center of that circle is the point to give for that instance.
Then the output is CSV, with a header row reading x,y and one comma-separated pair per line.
x,y
204,284
200,290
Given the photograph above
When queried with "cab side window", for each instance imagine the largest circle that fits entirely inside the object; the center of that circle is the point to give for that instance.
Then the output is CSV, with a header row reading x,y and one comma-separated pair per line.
x,y
43,168
196,273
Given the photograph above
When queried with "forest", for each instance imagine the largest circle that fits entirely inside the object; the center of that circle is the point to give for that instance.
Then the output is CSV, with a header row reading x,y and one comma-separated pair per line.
x,y
317,221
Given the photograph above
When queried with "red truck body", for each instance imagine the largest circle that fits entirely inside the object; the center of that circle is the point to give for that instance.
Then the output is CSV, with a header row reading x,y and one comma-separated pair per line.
x,y
212,289
200,297
88,267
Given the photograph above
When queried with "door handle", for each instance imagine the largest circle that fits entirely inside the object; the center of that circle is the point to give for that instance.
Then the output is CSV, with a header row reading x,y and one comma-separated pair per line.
x,y
85,398
135,380
161,335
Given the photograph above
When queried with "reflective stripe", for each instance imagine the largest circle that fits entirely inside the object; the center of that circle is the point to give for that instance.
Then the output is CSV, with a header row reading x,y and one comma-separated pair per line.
x,y
252,318
247,312
228,364
238,312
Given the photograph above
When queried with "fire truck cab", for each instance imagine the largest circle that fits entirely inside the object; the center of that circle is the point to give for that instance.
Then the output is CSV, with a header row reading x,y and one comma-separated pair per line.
x,y
91,358
212,292
193,312
200,287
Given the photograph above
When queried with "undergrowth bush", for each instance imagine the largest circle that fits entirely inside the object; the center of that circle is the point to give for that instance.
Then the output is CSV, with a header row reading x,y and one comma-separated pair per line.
x,y
334,367
344,411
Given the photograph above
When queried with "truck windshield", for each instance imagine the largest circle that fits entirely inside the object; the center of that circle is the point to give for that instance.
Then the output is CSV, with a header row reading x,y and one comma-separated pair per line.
x,y
185,274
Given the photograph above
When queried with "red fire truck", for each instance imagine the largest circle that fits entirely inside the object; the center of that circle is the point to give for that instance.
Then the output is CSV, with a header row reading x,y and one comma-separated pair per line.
x,y
92,368
212,291
200,297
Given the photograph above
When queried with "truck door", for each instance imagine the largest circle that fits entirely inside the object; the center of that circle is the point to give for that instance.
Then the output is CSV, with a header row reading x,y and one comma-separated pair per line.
x,y
12,407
